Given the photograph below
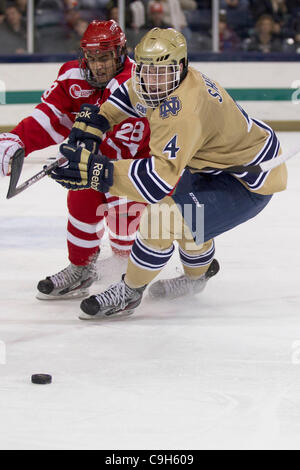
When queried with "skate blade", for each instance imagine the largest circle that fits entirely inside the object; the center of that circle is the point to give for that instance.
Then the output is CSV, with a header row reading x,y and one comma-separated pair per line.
x,y
101,316
70,295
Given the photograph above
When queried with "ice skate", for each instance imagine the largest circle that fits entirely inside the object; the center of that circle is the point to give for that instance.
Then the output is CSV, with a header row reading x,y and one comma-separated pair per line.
x,y
71,282
180,286
118,300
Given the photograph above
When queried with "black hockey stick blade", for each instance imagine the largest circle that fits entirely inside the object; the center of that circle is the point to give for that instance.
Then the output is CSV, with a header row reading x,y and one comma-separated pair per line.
x,y
15,172
14,189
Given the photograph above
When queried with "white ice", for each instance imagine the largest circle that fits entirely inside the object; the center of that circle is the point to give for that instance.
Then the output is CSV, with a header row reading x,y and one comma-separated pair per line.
x,y
217,371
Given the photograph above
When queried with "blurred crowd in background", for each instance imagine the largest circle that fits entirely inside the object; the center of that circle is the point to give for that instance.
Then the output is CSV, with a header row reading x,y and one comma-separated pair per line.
x,y
244,25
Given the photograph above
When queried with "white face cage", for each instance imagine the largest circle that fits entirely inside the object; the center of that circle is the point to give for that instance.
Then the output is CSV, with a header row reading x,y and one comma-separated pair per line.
x,y
153,83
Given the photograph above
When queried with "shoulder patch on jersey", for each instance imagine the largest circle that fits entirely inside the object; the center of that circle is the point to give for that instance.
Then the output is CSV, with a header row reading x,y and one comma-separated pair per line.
x,y
170,107
77,92
142,110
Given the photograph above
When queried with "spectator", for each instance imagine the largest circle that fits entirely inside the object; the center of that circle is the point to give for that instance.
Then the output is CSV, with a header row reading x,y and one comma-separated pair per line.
x,y
2,10
138,14
51,18
229,40
156,17
135,19
277,9
113,14
188,5
88,9
49,13
188,8
264,39
291,43
13,32
135,16
76,34
22,6
173,15
237,15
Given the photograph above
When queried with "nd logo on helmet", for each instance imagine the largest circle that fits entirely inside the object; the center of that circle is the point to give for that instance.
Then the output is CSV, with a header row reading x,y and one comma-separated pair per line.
x,y
172,106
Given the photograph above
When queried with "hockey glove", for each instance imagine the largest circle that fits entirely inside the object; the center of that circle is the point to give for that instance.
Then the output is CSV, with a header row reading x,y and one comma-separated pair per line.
x,y
85,170
9,144
89,128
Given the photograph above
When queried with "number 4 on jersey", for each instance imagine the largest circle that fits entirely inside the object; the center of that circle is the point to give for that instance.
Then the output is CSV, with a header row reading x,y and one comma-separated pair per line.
x,y
171,147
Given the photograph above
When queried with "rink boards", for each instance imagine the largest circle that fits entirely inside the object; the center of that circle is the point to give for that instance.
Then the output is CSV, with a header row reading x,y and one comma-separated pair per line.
x,y
269,91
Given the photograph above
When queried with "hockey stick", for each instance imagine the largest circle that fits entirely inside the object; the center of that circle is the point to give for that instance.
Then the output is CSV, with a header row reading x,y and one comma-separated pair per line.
x,y
262,167
18,158
16,168
15,171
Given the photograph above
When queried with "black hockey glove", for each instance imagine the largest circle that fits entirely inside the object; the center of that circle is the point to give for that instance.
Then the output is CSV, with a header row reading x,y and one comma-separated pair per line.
x,y
84,170
88,128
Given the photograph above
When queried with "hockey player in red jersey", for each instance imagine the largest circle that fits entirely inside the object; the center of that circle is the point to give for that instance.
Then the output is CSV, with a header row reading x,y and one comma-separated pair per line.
x,y
102,67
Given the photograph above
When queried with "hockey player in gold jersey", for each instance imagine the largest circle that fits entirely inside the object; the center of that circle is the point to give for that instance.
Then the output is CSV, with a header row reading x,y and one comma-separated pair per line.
x,y
203,171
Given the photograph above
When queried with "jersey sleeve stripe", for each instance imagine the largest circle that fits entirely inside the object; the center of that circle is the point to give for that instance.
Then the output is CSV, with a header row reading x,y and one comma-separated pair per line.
x,y
113,85
255,181
212,172
269,152
150,163
120,99
63,118
122,106
72,74
44,121
149,185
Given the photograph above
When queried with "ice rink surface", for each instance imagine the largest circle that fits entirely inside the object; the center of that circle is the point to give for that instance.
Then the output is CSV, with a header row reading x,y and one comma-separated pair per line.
x,y
217,371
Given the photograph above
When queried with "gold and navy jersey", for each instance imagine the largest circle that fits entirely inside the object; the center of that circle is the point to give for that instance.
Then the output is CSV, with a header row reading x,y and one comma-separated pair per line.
x,y
199,126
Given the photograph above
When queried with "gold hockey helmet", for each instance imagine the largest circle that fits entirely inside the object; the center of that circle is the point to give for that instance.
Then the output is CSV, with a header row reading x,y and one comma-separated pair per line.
x,y
161,64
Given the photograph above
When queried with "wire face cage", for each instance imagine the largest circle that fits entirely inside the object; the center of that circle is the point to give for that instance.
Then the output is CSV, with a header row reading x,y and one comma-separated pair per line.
x,y
153,83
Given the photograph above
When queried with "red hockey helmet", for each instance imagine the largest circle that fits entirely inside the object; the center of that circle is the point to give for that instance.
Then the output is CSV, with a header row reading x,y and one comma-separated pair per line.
x,y
103,36
99,37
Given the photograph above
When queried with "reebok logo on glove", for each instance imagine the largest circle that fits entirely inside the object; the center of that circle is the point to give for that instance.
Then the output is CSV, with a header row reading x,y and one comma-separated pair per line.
x,y
85,170
84,114
97,169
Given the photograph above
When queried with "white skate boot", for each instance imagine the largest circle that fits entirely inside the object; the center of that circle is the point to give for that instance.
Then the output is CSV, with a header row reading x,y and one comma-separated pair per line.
x,y
180,286
71,282
118,300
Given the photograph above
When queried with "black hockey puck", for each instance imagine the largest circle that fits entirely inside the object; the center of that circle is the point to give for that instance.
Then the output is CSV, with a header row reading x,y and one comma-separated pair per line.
x,y
41,379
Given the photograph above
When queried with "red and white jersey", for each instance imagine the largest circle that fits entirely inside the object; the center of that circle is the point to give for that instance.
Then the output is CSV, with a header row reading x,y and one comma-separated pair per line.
x,y
51,121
